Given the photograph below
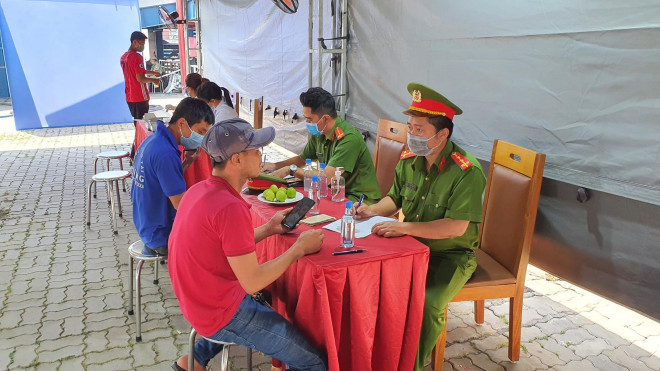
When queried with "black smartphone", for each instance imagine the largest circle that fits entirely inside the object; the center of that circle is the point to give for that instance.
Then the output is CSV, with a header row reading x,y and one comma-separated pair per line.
x,y
298,212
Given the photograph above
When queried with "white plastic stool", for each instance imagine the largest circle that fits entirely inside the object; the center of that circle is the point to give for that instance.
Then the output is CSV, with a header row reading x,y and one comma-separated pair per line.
x,y
111,155
135,253
111,179
224,360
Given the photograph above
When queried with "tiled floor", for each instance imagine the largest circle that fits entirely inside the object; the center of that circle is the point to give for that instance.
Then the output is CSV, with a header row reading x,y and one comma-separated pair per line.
x,y
63,285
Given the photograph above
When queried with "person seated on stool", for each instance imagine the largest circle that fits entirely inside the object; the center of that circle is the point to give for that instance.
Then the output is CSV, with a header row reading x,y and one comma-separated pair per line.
x,y
158,183
438,187
218,99
213,265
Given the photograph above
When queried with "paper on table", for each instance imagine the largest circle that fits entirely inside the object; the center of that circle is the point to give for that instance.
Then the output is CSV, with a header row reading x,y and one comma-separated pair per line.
x,y
362,227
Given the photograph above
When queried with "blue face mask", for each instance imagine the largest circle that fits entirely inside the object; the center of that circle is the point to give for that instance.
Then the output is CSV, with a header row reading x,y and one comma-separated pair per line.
x,y
313,128
192,142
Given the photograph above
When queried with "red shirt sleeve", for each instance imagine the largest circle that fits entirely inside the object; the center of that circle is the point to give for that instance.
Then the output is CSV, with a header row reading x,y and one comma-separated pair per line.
x,y
136,64
238,234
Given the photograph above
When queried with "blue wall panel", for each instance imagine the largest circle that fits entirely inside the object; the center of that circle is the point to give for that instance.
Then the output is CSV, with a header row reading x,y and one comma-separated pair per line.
x,y
63,60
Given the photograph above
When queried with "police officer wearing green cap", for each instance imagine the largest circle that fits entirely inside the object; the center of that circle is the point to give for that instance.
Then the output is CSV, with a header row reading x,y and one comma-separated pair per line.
x,y
438,186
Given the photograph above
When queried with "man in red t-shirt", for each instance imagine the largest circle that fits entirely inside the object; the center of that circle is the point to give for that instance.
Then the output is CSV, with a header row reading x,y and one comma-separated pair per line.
x,y
212,261
132,63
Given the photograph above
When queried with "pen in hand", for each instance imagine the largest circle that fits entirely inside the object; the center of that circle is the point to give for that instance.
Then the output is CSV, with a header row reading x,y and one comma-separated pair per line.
x,y
359,202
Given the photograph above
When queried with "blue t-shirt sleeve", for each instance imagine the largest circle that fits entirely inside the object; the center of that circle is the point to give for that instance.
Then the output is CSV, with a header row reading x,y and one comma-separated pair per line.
x,y
169,172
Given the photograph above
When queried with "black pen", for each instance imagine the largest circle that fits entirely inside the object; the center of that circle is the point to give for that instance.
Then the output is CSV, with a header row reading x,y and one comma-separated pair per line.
x,y
348,252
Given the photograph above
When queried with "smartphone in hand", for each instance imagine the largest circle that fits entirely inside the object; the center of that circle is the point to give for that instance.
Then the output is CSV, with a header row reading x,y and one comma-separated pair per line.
x,y
299,211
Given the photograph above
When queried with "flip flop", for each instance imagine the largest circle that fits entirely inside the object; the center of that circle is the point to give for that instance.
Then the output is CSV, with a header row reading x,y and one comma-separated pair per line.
x,y
176,367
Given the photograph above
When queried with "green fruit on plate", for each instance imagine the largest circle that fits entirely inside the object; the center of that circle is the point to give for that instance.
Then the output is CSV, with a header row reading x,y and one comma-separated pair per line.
x,y
281,189
269,195
273,188
280,196
291,192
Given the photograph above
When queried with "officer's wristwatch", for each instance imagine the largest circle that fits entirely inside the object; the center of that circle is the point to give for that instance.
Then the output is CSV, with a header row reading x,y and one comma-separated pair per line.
x,y
292,169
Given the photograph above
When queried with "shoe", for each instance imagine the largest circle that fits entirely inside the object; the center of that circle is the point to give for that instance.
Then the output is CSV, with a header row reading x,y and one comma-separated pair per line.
x,y
176,367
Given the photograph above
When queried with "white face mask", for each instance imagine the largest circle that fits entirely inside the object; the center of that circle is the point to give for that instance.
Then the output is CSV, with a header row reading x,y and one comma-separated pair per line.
x,y
420,145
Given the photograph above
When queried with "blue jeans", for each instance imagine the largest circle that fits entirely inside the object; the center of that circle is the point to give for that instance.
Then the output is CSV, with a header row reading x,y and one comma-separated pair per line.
x,y
258,327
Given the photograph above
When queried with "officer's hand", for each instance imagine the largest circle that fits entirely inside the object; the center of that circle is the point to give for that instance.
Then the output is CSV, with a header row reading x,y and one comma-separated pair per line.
x,y
281,172
309,241
268,167
169,107
363,212
275,223
388,229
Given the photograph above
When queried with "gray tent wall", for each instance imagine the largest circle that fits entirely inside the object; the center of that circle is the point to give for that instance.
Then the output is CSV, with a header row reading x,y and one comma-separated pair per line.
x,y
575,80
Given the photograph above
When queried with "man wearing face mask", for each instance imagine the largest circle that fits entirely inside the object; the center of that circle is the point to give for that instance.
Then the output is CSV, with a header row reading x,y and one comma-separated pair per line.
x,y
158,183
336,143
438,186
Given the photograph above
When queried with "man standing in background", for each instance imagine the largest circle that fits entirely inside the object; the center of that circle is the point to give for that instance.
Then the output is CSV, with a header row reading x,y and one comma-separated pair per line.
x,y
137,94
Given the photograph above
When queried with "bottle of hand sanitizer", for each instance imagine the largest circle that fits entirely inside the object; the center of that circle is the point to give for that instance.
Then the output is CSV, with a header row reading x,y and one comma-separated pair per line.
x,y
338,187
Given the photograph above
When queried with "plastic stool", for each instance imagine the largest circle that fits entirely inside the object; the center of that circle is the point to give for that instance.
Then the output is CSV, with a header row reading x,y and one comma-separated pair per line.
x,y
110,178
111,155
135,253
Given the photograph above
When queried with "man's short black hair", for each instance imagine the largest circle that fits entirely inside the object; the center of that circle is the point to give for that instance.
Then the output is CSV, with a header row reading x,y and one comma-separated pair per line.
x,y
194,111
319,101
137,35
442,122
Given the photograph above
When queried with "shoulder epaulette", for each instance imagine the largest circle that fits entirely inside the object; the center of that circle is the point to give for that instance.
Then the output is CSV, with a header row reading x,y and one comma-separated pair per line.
x,y
339,134
463,162
406,154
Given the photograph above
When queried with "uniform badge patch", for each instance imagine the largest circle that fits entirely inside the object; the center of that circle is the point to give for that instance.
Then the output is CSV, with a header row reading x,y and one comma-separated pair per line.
x,y
463,162
339,133
411,186
417,96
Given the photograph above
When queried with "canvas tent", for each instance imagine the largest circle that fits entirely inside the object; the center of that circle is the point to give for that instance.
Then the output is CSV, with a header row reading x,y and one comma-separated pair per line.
x,y
575,80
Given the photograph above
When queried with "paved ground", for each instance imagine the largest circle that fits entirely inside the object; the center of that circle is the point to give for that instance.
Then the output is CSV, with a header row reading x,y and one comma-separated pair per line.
x,y
63,285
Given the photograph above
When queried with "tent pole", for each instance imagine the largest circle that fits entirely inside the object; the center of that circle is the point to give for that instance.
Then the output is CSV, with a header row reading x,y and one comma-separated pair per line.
x,y
310,54
319,78
344,56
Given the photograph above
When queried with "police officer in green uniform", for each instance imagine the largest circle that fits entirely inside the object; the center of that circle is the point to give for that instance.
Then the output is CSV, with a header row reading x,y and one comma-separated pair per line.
x,y
336,143
438,187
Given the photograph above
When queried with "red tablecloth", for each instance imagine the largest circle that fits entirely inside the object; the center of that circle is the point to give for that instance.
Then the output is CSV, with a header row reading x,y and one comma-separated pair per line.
x,y
364,310
199,170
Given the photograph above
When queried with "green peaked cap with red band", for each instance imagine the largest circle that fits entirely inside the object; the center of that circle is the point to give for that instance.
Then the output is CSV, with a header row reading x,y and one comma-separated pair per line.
x,y
428,102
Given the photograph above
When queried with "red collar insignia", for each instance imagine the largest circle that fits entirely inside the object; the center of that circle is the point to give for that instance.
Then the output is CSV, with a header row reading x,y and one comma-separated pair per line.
x,y
338,134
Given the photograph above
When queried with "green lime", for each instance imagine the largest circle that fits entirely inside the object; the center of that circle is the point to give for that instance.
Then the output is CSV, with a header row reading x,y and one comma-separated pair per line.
x,y
281,189
291,192
281,196
273,188
269,195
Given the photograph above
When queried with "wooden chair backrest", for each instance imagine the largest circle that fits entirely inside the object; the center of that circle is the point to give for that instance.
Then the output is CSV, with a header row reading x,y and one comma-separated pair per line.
x,y
390,142
510,204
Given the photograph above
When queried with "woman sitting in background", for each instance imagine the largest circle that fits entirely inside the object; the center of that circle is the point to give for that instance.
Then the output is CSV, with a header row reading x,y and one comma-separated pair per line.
x,y
218,99
193,81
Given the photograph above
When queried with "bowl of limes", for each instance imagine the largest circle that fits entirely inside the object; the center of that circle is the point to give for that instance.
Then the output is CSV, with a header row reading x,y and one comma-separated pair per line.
x,y
280,195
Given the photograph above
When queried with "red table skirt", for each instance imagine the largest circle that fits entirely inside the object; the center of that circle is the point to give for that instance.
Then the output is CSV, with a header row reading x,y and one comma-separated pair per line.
x,y
363,310
199,170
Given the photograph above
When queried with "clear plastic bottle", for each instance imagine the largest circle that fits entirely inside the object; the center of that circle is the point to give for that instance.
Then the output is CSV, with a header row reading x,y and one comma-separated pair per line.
x,y
308,172
348,226
323,181
314,195
338,187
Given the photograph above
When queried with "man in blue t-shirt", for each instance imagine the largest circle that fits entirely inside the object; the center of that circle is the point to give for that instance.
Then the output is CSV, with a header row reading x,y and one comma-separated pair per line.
x,y
158,183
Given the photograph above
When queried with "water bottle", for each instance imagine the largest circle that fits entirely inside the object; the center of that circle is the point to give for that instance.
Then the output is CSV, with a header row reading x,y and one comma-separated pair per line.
x,y
314,195
307,174
338,187
323,181
348,226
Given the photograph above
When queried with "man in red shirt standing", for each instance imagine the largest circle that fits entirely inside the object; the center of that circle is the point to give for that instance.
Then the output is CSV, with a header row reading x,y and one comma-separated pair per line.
x,y
212,259
132,63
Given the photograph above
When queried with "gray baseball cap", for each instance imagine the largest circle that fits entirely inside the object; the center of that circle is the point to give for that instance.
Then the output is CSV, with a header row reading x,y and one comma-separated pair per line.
x,y
233,136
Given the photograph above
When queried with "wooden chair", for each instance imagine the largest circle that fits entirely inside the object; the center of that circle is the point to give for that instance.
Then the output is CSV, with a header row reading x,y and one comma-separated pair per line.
x,y
390,142
509,213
